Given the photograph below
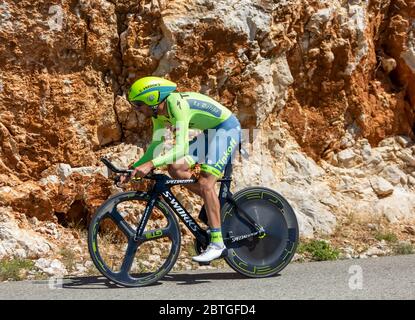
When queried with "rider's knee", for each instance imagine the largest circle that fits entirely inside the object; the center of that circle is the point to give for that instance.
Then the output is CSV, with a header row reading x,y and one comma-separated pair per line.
x,y
205,185
172,170
176,171
204,188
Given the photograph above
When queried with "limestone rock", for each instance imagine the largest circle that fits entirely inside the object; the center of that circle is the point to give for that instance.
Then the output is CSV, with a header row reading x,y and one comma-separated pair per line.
x,y
313,215
346,158
399,206
407,157
404,141
376,252
300,165
394,175
275,77
51,267
381,186
17,242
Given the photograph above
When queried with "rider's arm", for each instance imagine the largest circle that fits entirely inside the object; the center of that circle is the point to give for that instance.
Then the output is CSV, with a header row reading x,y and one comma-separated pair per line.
x,y
157,140
178,109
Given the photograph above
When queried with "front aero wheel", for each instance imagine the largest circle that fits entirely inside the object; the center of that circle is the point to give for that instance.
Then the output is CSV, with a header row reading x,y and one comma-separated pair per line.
x,y
122,258
265,254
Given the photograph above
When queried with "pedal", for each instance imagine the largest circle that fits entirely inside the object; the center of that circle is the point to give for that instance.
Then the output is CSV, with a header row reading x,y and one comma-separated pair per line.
x,y
224,254
204,263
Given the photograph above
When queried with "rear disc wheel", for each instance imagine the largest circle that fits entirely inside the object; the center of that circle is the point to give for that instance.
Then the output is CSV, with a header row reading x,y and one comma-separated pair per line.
x,y
260,255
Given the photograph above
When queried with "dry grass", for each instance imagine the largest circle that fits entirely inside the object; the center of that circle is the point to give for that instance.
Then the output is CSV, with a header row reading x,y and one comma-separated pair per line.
x,y
15,269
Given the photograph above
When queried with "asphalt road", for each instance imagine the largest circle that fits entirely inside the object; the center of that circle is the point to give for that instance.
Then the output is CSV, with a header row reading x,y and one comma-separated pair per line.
x,y
374,278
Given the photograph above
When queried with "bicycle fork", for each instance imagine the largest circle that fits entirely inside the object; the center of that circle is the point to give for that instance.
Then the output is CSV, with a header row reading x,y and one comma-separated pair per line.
x,y
143,222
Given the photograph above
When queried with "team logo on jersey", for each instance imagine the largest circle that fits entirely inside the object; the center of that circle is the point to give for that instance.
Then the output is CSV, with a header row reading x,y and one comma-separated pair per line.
x,y
204,106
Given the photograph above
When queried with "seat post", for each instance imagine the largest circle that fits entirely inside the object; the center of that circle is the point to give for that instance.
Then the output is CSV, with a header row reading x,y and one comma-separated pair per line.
x,y
228,170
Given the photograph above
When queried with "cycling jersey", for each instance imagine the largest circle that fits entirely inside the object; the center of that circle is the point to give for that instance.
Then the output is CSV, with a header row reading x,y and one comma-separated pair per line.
x,y
195,111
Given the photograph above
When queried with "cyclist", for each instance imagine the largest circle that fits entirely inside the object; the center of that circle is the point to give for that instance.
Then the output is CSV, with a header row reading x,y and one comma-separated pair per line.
x,y
157,98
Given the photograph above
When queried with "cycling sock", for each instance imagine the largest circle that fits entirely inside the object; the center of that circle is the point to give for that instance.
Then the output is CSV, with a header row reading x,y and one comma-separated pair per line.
x,y
216,237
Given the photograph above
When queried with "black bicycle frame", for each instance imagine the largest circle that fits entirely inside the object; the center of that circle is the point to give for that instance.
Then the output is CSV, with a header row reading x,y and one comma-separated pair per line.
x,y
162,187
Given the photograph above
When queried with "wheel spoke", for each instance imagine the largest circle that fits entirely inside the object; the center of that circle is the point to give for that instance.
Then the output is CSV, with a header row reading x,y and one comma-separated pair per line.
x,y
129,257
118,251
122,224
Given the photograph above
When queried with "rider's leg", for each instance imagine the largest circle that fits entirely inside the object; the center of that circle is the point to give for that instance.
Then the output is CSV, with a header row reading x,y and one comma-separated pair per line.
x,y
216,248
205,188
207,184
182,171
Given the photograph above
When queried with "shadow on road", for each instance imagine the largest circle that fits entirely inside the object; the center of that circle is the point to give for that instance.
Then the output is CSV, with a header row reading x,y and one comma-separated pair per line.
x,y
93,283
197,278
98,282
88,283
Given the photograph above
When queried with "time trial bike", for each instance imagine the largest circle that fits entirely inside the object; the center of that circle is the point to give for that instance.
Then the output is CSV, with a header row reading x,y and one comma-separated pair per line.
x,y
134,237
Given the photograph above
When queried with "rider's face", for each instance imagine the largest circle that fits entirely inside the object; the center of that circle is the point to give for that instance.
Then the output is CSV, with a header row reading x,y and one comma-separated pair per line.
x,y
143,108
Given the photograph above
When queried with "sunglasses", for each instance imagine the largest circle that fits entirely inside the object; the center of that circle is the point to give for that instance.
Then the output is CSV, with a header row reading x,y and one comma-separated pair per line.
x,y
137,104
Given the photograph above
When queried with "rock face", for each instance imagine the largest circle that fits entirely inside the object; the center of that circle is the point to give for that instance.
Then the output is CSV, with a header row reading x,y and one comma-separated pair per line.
x,y
327,89
51,268
381,186
15,242
332,91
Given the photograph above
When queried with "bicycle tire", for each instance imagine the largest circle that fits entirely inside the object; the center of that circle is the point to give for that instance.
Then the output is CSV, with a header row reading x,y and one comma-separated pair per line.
x,y
109,210
257,257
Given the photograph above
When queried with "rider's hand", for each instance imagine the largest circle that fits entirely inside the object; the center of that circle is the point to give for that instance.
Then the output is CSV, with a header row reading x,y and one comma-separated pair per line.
x,y
143,170
140,171
124,178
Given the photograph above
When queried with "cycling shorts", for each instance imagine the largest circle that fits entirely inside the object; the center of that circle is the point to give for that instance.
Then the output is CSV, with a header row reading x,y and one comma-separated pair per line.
x,y
215,147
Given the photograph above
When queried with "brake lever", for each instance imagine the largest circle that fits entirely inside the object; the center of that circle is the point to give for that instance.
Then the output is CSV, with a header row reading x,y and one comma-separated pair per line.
x,y
133,179
117,179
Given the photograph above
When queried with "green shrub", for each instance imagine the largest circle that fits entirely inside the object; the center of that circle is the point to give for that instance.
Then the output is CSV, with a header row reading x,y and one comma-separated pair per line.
x,y
68,259
15,269
387,236
318,250
403,248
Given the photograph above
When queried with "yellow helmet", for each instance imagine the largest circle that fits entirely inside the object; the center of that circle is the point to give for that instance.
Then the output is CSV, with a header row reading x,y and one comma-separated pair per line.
x,y
150,90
